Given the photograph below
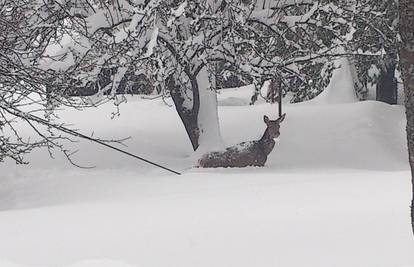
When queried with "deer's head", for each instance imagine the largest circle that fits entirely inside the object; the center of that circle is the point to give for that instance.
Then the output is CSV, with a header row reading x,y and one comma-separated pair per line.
x,y
273,127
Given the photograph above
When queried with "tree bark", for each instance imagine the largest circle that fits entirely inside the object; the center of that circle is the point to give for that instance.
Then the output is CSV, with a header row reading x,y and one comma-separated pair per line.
x,y
406,9
201,119
189,117
387,85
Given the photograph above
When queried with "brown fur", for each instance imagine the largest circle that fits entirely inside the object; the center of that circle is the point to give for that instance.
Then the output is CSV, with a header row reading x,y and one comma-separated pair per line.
x,y
253,153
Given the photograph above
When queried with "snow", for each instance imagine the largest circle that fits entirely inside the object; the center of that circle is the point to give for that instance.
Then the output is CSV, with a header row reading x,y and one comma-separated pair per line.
x,y
291,21
335,192
88,263
152,43
234,218
341,86
177,13
372,72
180,10
240,96
208,118
400,88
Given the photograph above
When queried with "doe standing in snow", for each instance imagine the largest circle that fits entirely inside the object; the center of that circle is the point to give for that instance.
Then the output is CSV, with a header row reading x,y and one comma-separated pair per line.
x,y
252,153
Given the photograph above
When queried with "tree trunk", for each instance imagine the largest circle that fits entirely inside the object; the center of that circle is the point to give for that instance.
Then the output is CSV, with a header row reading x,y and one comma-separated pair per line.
x,y
188,116
208,121
201,119
387,85
406,9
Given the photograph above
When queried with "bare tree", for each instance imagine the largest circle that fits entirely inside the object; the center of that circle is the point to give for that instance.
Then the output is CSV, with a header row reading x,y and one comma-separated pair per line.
x,y
180,43
26,31
28,91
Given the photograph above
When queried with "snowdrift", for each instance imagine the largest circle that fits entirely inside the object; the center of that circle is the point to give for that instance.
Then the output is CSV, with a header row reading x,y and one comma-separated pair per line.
x,y
362,135
335,192
341,87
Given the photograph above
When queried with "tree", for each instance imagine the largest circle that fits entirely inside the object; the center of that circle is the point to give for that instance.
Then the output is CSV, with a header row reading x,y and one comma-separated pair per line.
x,y
29,91
364,31
26,31
52,48
375,41
406,10
179,44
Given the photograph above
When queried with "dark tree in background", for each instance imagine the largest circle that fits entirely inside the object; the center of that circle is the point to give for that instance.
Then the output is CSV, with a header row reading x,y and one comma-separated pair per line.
x,y
386,89
406,9
375,43
364,30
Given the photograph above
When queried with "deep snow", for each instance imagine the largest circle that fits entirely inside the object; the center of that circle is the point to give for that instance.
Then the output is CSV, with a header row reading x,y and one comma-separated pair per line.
x,y
335,192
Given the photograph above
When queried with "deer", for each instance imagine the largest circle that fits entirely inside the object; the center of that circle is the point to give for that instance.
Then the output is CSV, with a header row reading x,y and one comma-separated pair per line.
x,y
251,153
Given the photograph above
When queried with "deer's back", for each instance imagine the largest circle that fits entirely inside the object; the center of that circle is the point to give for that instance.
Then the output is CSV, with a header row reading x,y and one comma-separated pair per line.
x,y
241,155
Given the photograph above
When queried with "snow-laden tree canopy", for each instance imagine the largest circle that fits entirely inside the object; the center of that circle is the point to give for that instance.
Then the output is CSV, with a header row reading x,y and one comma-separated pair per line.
x,y
50,48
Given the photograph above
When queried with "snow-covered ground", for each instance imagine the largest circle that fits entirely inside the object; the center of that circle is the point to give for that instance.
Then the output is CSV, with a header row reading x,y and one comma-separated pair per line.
x,y
335,192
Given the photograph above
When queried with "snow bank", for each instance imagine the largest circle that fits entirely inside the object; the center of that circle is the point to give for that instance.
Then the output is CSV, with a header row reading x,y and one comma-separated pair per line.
x,y
341,87
88,263
240,96
362,135
250,217
335,192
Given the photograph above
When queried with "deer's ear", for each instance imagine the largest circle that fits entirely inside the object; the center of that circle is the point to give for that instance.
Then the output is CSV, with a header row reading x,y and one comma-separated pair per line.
x,y
266,119
282,118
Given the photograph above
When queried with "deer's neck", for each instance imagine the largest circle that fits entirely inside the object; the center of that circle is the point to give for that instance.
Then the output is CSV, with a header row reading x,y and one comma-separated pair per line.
x,y
266,136
267,143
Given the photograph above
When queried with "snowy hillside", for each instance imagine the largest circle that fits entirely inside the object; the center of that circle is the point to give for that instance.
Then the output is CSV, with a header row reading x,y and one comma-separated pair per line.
x,y
335,192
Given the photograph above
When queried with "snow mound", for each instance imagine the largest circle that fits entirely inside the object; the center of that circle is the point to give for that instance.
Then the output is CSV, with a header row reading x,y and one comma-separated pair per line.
x,y
240,96
335,187
362,135
101,263
87,263
234,101
341,87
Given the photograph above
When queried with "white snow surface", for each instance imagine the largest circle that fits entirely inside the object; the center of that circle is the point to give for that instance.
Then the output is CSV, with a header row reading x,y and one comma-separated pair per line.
x,y
341,87
335,192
